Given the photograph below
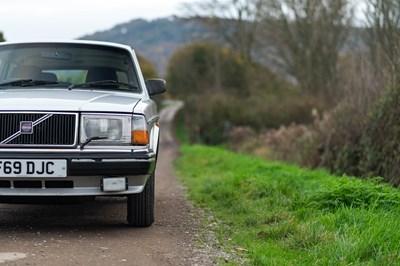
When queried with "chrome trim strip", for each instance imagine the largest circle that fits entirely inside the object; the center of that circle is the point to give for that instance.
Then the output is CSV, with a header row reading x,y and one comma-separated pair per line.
x,y
77,191
10,138
77,151
112,160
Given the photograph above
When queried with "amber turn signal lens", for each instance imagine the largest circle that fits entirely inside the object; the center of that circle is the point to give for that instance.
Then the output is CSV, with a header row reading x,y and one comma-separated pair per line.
x,y
140,137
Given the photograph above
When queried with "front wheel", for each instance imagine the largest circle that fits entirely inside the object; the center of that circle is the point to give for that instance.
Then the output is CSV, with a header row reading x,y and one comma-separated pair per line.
x,y
141,206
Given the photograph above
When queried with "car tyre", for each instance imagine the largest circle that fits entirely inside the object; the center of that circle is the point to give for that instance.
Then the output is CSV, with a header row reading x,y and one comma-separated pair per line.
x,y
141,206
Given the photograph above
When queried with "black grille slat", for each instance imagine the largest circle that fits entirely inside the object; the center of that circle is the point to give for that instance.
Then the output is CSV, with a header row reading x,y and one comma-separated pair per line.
x,y
5,184
57,130
59,184
28,184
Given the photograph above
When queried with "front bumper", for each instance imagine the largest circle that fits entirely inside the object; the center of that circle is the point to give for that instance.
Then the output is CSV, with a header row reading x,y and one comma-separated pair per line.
x,y
85,172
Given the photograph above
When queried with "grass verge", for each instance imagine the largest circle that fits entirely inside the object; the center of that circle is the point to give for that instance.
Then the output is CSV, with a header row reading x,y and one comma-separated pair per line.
x,y
279,214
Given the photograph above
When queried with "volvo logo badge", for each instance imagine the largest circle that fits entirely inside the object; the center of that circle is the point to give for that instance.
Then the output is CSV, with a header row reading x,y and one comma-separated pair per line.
x,y
26,127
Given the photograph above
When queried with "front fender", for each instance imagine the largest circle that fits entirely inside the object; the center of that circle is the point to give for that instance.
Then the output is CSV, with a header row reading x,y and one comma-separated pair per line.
x,y
154,136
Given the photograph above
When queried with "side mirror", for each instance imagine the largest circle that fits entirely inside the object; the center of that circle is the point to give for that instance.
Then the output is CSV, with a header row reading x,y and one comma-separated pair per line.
x,y
155,86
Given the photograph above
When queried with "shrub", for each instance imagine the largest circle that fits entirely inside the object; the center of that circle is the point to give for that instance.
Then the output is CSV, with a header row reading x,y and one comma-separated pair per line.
x,y
287,143
222,92
340,136
381,142
203,68
358,137
208,116
361,136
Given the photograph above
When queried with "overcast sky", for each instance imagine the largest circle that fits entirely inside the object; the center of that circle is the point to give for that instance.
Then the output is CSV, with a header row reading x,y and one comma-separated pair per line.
x,y
70,19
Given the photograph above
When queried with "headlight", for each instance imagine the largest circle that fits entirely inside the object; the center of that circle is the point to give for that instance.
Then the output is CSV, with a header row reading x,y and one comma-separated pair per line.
x,y
109,128
114,129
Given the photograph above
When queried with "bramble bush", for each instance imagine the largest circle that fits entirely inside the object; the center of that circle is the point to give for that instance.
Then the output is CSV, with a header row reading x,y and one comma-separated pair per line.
x,y
359,136
381,141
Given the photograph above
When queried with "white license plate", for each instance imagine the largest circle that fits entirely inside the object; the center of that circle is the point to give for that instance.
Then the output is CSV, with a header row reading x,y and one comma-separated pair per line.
x,y
33,168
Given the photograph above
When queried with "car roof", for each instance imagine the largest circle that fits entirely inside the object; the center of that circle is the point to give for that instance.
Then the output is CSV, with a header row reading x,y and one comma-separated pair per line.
x,y
89,42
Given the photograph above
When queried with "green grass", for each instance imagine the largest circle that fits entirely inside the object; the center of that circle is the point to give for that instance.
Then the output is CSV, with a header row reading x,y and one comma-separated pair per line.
x,y
279,214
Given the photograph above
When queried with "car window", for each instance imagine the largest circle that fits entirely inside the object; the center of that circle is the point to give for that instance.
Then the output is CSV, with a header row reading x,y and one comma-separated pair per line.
x,y
73,76
68,64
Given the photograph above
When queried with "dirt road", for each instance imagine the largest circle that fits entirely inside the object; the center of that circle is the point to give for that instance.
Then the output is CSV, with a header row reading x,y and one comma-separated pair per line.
x,y
96,233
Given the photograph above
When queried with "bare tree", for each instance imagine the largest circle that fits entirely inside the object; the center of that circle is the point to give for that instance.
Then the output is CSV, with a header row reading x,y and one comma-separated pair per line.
x,y
235,21
383,18
307,36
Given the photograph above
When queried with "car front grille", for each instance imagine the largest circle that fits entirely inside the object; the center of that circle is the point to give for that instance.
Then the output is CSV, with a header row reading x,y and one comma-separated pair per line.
x,y
38,129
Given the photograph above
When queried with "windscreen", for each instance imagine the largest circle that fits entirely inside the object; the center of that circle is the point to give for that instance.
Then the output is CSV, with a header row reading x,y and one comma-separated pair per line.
x,y
68,64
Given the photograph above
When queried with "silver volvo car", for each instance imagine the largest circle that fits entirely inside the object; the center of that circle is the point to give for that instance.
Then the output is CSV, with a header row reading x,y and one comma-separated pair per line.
x,y
77,120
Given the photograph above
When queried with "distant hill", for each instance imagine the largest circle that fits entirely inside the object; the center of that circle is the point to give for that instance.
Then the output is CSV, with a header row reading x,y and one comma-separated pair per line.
x,y
156,40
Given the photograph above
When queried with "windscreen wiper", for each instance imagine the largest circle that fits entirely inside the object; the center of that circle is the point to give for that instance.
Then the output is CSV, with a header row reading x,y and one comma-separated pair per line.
x,y
103,84
90,140
27,82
